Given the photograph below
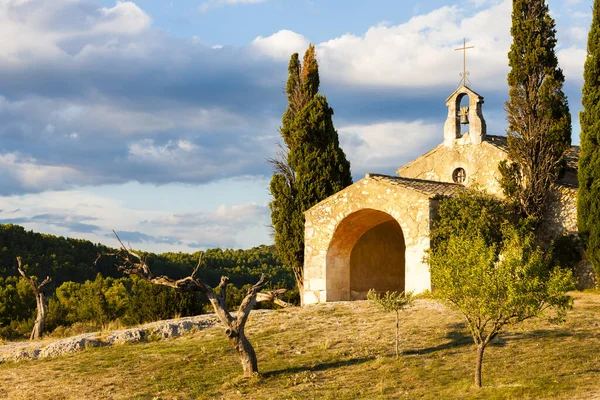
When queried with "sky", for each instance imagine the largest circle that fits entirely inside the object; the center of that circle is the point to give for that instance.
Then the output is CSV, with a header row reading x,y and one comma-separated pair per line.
x,y
155,118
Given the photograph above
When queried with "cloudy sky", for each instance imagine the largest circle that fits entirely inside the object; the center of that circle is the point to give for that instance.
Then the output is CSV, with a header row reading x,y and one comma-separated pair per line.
x,y
155,117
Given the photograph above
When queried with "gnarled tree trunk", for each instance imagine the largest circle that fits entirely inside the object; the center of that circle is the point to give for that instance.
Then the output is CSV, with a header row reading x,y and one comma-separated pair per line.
x,y
245,351
40,299
40,321
132,264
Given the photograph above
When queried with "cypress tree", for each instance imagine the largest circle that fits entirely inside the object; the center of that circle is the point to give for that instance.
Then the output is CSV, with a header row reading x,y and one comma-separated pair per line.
x,y
539,122
588,200
310,167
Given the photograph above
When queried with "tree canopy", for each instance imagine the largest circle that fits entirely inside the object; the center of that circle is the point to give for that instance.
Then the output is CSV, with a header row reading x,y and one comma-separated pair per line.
x,y
539,122
310,167
493,273
588,201
93,294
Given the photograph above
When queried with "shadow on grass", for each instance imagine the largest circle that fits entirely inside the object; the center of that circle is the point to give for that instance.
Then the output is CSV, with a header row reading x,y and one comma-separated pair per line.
x,y
543,334
318,367
458,338
587,371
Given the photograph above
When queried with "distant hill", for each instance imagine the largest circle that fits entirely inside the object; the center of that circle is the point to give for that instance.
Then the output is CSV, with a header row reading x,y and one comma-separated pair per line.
x,y
66,259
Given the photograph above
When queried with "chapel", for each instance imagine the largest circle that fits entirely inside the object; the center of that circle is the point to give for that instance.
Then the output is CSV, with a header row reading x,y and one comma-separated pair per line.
x,y
374,234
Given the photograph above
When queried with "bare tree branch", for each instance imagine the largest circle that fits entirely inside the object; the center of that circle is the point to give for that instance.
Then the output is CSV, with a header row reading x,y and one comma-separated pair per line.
x,y
132,263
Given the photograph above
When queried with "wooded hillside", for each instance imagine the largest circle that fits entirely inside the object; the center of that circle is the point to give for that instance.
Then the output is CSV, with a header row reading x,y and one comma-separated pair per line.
x,y
83,292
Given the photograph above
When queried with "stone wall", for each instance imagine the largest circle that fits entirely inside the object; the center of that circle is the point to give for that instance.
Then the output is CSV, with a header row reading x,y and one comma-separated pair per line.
x,y
368,203
480,161
561,215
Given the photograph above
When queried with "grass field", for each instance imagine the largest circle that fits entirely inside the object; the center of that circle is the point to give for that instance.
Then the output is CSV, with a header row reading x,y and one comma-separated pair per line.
x,y
334,351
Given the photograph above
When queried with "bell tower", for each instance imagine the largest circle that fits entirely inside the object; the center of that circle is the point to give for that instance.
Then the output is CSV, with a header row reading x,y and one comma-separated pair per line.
x,y
457,116
471,115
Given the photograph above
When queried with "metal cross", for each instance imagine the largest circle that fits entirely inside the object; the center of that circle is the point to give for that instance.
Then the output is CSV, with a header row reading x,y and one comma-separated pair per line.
x,y
464,75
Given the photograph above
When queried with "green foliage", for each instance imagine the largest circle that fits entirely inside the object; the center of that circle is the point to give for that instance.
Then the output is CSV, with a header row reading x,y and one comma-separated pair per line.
x,y
588,201
539,130
566,251
501,288
469,211
392,302
311,167
97,303
489,268
61,258
94,296
17,301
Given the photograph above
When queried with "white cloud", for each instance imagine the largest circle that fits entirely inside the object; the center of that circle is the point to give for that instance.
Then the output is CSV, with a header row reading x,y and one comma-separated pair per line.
x,y
281,45
124,17
418,53
577,34
32,33
171,152
384,147
117,120
207,5
26,173
571,61
76,213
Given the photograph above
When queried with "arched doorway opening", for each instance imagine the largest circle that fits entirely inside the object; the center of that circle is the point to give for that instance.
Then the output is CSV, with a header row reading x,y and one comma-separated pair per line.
x,y
367,252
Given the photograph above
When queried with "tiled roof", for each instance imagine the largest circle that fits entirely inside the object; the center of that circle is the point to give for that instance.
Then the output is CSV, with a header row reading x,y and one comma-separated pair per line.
x,y
571,156
430,188
500,142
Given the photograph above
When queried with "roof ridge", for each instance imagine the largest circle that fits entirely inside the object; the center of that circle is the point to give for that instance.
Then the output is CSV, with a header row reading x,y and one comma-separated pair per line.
x,y
401,178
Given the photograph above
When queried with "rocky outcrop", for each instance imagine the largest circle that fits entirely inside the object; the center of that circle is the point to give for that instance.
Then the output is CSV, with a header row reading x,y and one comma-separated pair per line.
x,y
154,331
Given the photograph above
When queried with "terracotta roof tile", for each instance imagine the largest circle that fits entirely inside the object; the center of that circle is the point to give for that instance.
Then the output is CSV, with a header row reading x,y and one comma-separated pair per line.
x,y
430,188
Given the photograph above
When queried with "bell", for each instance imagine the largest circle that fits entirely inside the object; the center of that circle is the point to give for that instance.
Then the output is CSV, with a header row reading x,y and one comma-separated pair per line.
x,y
464,115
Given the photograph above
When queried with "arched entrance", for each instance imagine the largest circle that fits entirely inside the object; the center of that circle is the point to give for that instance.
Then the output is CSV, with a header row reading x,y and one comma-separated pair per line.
x,y
367,251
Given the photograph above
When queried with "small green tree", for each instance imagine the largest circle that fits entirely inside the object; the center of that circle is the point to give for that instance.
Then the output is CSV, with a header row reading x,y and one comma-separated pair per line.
x,y
392,302
495,286
588,198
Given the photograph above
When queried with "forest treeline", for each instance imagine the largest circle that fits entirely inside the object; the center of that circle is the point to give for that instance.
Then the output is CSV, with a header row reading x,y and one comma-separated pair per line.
x,y
87,296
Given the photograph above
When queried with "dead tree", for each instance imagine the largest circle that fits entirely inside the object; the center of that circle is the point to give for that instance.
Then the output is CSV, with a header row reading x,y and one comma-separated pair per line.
x,y
133,264
40,299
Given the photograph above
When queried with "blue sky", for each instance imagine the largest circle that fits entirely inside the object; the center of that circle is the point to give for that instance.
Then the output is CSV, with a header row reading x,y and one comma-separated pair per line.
x,y
154,118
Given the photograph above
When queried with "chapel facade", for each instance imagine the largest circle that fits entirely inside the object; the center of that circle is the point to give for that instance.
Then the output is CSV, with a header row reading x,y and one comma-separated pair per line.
x,y
374,234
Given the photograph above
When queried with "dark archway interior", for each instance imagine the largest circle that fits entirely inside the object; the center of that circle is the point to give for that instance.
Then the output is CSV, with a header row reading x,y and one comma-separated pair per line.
x,y
377,261
367,252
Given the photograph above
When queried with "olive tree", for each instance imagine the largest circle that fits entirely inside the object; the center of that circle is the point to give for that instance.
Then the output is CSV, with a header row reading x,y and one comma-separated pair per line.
x,y
497,285
39,290
392,302
132,263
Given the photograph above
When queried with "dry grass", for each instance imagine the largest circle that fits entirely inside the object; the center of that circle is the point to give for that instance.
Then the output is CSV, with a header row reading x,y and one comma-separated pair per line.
x,y
333,351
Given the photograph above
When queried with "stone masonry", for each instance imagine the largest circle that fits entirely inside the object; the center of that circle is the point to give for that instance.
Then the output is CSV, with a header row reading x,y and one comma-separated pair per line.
x,y
372,201
375,233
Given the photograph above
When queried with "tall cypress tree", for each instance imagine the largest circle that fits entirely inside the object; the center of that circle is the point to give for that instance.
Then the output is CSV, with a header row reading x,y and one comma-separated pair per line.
x,y
539,122
311,166
588,200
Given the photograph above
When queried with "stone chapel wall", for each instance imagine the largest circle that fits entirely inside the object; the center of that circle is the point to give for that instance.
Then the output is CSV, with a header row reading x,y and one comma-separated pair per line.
x,y
326,282
480,162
